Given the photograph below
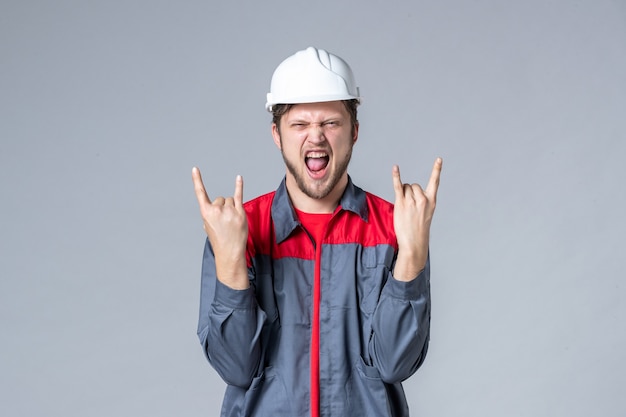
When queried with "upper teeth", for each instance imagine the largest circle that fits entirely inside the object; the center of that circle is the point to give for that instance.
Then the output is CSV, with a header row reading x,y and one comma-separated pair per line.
x,y
317,155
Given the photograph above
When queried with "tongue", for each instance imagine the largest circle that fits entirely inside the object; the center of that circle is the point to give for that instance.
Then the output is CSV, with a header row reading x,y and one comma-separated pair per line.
x,y
316,164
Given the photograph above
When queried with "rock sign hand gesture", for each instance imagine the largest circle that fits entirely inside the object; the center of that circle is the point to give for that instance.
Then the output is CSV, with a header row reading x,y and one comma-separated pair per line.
x,y
226,225
412,216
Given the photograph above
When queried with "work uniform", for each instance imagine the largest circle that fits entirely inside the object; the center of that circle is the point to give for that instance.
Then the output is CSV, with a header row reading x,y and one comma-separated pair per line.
x,y
373,329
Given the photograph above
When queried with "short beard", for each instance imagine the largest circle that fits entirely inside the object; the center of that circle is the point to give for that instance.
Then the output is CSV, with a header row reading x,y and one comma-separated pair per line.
x,y
316,192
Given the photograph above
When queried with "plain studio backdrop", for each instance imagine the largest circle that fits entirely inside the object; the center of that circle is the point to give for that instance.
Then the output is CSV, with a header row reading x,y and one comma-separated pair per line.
x,y
106,106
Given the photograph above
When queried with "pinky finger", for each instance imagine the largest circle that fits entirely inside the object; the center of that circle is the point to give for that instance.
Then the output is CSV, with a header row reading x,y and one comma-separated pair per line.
x,y
238,196
433,182
198,185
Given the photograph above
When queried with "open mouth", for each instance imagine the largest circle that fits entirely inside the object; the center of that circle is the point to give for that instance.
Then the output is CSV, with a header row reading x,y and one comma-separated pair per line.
x,y
316,161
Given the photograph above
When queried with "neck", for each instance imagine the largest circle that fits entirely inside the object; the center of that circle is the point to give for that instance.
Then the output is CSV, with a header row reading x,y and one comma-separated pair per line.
x,y
307,204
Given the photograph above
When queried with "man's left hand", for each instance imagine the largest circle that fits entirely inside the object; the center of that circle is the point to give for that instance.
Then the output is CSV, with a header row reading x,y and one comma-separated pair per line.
x,y
412,216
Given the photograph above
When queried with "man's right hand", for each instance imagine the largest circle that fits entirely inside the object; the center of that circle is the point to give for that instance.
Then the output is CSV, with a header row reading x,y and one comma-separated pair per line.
x,y
226,225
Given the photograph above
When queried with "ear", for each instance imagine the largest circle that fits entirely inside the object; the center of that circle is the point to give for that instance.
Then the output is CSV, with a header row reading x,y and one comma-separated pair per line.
x,y
276,135
355,134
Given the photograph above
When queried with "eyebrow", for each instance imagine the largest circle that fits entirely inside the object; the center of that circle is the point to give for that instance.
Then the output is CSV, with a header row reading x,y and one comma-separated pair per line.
x,y
327,119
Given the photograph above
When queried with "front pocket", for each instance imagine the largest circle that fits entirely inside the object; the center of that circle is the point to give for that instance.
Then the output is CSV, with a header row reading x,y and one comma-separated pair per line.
x,y
372,273
264,288
267,396
367,394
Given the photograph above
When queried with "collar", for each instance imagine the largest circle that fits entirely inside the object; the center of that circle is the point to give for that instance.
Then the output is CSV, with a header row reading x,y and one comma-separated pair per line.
x,y
284,216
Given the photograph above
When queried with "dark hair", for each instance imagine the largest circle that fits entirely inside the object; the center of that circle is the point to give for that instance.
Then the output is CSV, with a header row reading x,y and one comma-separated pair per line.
x,y
279,110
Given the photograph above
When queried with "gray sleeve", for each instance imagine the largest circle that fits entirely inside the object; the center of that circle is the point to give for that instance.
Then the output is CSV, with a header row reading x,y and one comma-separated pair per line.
x,y
401,327
229,326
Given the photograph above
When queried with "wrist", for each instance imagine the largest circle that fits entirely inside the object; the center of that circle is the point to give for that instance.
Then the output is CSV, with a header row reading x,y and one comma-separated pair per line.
x,y
233,275
408,265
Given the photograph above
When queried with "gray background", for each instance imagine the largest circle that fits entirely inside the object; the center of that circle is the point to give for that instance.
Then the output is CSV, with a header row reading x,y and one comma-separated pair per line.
x,y
106,106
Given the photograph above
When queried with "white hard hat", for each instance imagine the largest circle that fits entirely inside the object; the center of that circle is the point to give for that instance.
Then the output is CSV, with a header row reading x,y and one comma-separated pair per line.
x,y
311,76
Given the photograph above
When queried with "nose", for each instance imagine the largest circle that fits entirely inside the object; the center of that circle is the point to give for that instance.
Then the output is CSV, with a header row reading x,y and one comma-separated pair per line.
x,y
316,133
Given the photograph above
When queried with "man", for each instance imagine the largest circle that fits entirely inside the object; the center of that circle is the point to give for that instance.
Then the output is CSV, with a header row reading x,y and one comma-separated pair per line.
x,y
315,298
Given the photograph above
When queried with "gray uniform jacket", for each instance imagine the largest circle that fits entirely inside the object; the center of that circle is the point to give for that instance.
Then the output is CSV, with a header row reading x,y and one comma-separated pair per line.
x,y
374,329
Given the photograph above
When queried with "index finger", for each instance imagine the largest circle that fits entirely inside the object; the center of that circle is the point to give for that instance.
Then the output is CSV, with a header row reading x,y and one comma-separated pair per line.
x,y
433,182
198,186
397,182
